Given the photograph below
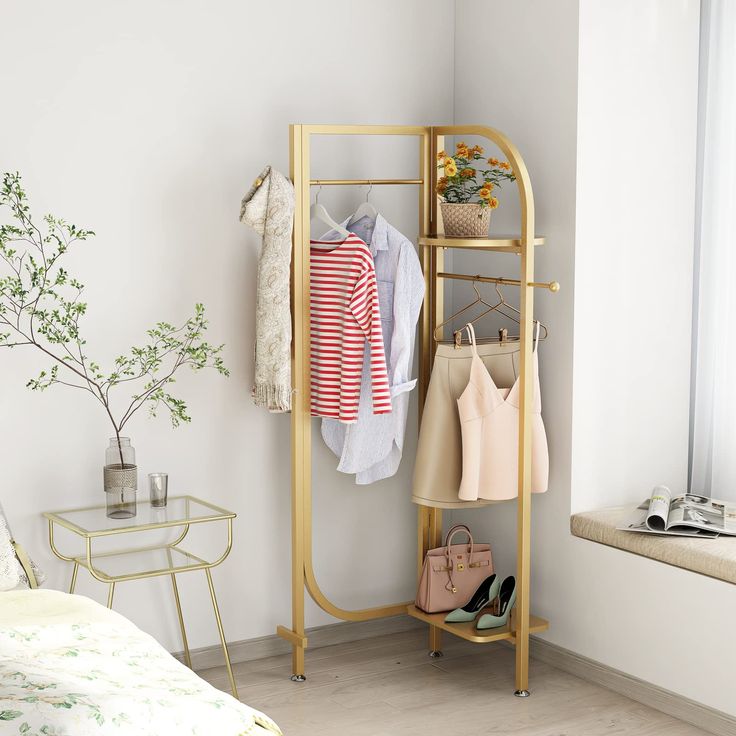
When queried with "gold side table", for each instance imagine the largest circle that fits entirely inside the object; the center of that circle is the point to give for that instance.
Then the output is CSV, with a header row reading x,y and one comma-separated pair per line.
x,y
169,558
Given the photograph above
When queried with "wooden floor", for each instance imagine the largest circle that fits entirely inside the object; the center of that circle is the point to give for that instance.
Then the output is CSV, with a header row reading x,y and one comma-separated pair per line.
x,y
388,686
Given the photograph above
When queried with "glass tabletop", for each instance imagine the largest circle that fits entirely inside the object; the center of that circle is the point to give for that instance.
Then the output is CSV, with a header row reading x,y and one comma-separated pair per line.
x,y
93,521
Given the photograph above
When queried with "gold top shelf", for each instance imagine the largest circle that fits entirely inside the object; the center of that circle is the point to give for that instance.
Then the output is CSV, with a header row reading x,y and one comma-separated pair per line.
x,y
505,243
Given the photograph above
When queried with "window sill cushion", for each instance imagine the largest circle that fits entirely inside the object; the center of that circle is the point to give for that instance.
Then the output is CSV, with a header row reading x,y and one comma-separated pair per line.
x,y
713,557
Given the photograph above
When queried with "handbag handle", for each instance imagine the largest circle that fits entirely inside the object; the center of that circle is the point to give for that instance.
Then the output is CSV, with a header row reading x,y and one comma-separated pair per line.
x,y
448,539
450,585
452,530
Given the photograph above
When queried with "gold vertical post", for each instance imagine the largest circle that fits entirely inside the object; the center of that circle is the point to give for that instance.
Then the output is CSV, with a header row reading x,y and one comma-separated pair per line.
x,y
434,514
425,329
300,426
221,632
426,195
425,368
425,227
437,145
110,594
435,539
436,310
437,263
524,509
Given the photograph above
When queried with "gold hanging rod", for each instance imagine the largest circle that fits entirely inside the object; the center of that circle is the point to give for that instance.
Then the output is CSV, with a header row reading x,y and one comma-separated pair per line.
x,y
551,285
361,182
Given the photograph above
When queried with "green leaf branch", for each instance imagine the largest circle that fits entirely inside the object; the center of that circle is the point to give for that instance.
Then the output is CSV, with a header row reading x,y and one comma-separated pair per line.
x,y
41,307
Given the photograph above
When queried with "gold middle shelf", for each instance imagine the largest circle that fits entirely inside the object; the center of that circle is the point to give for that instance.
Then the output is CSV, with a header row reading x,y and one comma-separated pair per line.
x,y
504,243
468,631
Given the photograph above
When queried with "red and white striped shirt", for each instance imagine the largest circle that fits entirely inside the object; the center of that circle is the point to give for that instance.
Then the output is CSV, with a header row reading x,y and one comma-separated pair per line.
x,y
344,315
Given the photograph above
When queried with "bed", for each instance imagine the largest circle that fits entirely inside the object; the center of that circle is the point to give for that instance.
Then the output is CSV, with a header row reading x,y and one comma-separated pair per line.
x,y
69,667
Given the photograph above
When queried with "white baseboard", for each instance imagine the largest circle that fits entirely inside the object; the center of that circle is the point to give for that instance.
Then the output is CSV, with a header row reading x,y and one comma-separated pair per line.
x,y
677,706
319,636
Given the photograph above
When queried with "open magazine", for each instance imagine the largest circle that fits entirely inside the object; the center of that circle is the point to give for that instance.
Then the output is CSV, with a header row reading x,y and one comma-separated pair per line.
x,y
687,515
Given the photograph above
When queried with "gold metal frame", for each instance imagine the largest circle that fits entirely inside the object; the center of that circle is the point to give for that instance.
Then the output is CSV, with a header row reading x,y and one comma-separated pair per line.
x,y
432,245
87,560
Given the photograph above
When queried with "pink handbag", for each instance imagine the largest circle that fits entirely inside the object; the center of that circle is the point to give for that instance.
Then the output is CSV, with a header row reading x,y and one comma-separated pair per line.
x,y
451,574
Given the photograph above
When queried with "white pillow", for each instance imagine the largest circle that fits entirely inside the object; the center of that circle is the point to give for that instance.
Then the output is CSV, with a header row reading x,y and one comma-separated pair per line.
x,y
12,573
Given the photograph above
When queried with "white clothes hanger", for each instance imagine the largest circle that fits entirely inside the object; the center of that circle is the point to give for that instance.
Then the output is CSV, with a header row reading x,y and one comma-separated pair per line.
x,y
318,212
366,209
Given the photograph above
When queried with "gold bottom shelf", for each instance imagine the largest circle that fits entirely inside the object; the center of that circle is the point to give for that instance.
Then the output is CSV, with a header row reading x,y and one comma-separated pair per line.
x,y
470,633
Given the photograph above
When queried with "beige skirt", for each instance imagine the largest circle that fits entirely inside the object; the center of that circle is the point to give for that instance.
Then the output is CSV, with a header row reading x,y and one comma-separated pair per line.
x,y
438,468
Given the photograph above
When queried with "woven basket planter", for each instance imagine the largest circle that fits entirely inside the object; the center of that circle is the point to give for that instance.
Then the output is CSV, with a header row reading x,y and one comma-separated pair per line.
x,y
465,220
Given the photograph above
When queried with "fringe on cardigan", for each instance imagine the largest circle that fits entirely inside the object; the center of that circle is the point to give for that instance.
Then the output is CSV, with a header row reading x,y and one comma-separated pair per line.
x,y
271,397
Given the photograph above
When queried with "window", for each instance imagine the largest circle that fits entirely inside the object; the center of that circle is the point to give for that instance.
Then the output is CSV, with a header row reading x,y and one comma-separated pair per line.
x,y
713,417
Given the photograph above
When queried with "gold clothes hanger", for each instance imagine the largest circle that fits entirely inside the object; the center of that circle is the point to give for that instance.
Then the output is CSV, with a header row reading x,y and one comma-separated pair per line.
x,y
501,307
478,300
514,317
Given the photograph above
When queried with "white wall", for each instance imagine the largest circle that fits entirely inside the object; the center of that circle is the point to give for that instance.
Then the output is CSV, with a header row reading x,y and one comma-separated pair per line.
x,y
147,122
600,97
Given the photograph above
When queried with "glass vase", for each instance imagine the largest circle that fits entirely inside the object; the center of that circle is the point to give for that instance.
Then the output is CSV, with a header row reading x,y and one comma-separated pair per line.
x,y
120,478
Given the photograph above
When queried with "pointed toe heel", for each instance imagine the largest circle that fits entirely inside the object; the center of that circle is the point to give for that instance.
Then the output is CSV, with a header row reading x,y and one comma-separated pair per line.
x,y
507,599
486,592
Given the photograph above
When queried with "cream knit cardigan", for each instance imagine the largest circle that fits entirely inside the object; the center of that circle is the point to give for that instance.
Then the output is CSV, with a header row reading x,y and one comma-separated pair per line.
x,y
268,208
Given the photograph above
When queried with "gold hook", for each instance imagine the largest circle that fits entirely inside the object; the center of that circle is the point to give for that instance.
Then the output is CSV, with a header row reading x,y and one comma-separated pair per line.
x,y
316,196
370,189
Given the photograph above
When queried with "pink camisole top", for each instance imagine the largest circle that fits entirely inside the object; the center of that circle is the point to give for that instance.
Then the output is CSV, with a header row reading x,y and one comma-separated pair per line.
x,y
489,421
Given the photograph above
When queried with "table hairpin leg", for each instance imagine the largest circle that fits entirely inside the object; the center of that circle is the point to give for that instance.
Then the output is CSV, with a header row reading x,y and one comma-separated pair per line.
x,y
110,594
73,584
222,634
187,655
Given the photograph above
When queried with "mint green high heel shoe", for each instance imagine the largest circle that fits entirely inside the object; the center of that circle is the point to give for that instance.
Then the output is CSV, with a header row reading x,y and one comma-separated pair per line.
x,y
507,598
486,592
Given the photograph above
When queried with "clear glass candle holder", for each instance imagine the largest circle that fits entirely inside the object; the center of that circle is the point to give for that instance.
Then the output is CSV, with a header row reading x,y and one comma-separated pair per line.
x,y
158,485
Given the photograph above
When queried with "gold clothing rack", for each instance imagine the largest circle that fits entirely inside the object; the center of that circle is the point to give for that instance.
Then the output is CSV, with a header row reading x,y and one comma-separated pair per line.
x,y
432,244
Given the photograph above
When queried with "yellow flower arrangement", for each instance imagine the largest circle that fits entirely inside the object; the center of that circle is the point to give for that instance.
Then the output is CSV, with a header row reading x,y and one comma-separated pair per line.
x,y
450,167
460,184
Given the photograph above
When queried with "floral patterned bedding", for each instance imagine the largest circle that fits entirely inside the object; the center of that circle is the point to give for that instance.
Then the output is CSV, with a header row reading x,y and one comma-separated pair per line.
x,y
69,667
